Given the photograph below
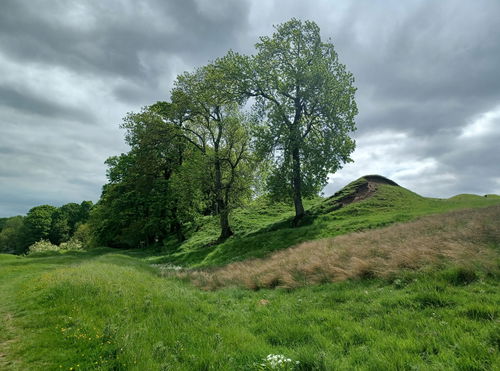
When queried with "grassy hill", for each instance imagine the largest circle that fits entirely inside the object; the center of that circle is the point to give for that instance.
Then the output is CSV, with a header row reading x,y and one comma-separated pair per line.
x,y
262,227
466,238
112,310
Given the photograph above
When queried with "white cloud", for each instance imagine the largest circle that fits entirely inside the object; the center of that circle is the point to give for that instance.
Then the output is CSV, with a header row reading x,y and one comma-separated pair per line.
x,y
395,155
483,124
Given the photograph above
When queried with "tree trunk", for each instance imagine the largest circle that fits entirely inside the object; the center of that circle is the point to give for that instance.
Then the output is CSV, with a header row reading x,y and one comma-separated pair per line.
x,y
296,183
225,229
224,225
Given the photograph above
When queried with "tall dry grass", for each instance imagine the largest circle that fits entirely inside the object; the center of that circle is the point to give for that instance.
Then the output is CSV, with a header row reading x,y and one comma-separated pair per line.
x,y
463,238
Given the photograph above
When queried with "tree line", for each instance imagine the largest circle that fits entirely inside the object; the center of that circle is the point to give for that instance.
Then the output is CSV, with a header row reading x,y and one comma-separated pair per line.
x,y
44,222
275,123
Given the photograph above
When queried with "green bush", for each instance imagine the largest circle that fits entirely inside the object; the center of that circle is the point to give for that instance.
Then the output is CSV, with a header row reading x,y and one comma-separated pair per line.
x,y
72,244
83,234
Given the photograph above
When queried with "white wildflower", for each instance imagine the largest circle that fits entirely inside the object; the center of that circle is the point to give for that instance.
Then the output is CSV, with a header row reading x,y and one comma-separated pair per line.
x,y
277,362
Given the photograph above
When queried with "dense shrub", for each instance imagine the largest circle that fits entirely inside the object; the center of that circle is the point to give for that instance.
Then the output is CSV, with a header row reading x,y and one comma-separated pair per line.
x,y
71,245
11,239
42,246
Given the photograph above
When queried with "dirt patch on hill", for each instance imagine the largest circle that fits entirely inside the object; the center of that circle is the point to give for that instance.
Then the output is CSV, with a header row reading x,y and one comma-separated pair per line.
x,y
365,189
356,191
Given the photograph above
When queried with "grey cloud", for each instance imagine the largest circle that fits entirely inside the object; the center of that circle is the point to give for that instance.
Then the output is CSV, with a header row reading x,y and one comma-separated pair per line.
x,y
418,65
25,197
49,158
112,35
46,173
52,165
27,102
421,62
424,71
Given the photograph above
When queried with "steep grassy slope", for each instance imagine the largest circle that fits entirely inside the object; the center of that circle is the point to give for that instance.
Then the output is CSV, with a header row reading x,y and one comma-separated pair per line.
x,y
263,228
107,311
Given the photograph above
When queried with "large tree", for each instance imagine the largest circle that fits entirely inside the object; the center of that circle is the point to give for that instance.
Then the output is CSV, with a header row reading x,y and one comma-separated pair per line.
x,y
209,118
141,204
11,238
66,219
306,99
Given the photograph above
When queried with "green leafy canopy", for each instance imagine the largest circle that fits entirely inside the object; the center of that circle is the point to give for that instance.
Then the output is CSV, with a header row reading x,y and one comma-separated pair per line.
x,y
305,97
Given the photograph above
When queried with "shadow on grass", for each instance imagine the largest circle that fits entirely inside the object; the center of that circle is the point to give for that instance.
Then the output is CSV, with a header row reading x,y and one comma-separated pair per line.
x,y
257,244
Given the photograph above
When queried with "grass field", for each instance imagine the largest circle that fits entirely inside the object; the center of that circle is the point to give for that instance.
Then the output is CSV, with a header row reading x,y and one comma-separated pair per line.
x,y
105,309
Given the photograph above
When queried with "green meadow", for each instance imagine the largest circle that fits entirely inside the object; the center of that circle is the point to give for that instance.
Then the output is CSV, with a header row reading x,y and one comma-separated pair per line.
x,y
108,309
102,310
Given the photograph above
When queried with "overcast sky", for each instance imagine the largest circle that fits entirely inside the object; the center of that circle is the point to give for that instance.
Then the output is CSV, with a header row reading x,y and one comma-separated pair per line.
x,y
427,73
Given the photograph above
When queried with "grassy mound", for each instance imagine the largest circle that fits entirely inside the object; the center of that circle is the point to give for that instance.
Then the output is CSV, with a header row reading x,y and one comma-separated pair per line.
x,y
263,228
